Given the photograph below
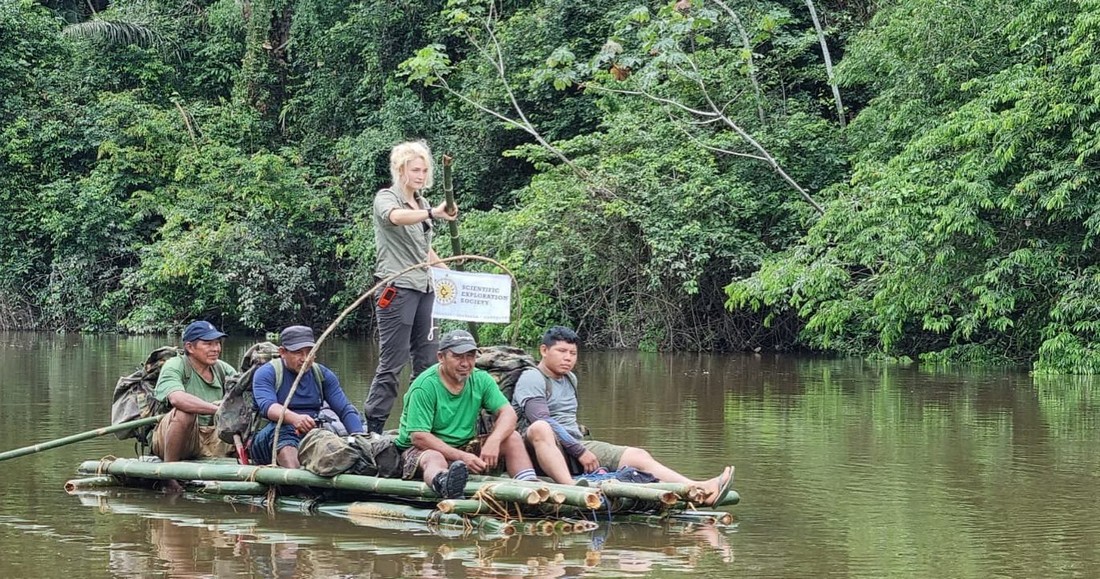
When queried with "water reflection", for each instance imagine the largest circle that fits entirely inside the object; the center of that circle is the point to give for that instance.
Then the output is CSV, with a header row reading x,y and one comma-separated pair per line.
x,y
846,468
180,537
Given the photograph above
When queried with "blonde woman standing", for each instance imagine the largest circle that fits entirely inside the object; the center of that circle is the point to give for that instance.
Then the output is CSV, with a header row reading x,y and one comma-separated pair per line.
x,y
403,228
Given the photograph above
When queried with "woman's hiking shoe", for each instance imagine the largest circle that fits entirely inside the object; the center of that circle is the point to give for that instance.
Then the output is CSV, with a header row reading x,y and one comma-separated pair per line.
x,y
451,483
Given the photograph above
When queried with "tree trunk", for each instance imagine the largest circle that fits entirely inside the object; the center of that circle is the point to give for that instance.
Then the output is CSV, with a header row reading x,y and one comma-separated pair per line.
x,y
828,63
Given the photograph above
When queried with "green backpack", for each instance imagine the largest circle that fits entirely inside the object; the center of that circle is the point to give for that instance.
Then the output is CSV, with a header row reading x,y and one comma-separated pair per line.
x,y
237,412
506,364
133,395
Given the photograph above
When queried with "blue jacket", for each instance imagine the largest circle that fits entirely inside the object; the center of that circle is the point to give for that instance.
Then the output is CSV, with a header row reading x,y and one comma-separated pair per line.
x,y
307,398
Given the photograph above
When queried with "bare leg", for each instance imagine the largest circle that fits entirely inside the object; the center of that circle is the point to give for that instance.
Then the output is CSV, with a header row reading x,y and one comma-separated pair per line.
x,y
642,460
287,457
175,443
550,457
177,436
515,454
432,463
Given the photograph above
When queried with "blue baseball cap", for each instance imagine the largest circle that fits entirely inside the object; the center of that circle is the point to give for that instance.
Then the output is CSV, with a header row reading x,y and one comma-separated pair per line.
x,y
201,330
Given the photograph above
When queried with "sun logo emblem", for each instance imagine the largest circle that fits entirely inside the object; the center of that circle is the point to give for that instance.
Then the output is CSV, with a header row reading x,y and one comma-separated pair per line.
x,y
445,291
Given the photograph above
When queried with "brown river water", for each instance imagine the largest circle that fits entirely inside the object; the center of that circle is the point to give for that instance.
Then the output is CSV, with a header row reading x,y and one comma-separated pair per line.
x,y
845,468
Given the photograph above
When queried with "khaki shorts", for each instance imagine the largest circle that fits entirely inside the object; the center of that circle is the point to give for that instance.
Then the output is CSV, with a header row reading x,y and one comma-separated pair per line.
x,y
609,455
202,441
410,458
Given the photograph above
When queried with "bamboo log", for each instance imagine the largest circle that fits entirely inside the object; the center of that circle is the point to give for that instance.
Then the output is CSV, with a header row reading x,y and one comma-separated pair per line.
x,y
542,488
222,487
709,517
15,453
731,498
261,474
463,507
616,489
557,493
687,492
95,482
388,511
503,491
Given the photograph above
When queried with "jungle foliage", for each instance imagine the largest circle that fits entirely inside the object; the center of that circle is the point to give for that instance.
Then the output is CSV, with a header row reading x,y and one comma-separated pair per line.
x,y
658,175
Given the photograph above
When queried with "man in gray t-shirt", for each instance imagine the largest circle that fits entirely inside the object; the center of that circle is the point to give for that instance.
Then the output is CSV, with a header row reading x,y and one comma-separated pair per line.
x,y
546,402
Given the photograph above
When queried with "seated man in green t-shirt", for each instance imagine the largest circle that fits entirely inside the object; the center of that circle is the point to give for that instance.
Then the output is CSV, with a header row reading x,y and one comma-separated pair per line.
x,y
192,384
439,422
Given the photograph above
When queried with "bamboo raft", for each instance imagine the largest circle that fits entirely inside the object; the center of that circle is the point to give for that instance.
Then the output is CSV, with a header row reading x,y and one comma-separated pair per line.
x,y
494,506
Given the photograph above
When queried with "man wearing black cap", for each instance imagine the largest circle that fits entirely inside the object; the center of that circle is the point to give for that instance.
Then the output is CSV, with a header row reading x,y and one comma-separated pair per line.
x,y
192,384
439,422
270,397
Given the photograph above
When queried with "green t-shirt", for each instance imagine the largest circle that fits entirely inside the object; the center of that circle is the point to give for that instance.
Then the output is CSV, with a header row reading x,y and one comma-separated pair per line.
x,y
171,380
430,407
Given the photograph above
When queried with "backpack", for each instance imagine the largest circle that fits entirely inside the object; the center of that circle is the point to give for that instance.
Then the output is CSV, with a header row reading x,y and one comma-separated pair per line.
x,y
133,397
237,413
506,364
325,453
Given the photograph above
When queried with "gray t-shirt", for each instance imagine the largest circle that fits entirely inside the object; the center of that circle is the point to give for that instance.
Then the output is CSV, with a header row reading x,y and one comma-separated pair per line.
x,y
561,403
400,246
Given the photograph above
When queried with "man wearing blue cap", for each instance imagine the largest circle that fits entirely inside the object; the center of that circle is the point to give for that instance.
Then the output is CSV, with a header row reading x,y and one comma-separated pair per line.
x,y
270,390
193,385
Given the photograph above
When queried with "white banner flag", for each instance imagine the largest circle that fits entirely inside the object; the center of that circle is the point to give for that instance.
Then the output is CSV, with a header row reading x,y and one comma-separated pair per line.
x,y
472,297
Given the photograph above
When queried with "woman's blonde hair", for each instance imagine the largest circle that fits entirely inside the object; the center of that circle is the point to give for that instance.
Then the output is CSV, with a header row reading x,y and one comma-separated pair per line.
x,y
407,151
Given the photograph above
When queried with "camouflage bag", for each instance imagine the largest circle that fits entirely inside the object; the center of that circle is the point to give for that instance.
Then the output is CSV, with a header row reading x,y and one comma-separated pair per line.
x,y
133,395
377,455
236,414
506,364
325,453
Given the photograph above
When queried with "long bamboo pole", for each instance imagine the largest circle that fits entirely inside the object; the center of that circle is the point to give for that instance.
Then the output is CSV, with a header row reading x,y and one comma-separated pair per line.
x,y
503,491
15,453
456,241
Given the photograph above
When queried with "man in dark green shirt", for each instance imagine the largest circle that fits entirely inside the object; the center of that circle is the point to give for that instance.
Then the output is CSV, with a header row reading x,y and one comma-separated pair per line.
x,y
193,385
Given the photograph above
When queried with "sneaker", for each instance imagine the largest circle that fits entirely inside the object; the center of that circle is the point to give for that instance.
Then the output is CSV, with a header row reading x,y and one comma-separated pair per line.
x,y
451,483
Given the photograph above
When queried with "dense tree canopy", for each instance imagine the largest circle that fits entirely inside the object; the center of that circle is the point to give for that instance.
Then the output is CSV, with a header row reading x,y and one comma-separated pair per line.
x,y
659,175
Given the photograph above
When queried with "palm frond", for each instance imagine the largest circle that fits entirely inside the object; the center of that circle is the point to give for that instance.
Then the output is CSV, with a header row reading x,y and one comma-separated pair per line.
x,y
113,32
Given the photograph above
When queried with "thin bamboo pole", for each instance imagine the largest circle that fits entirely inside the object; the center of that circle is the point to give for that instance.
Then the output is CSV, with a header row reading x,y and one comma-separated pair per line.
x,y
95,482
731,498
15,453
